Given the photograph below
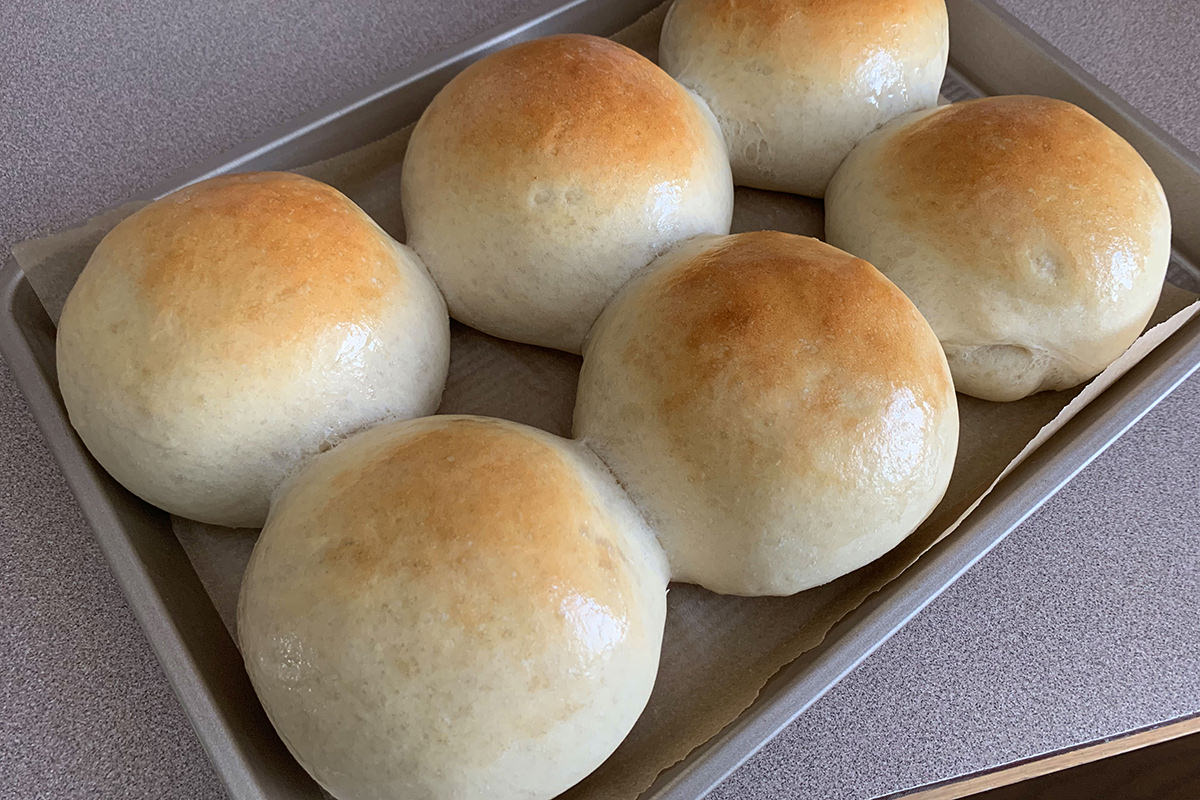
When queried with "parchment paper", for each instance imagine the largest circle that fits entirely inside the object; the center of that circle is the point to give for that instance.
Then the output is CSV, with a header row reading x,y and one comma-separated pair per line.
x,y
718,651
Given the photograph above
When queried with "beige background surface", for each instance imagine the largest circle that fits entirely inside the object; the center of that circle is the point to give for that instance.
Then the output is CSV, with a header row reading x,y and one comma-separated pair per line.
x,y
1082,624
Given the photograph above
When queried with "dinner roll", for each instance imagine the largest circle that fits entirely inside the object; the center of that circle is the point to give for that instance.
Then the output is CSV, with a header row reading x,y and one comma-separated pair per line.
x,y
222,334
543,176
1034,239
795,83
779,411
453,607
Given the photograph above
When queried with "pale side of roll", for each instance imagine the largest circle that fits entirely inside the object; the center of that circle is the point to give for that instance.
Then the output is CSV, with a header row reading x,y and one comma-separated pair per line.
x,y
780,412
796,83
453,607
224,333
1033,238
541,177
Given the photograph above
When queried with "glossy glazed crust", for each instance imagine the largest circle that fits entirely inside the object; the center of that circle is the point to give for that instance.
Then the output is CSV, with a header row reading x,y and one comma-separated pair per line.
x,y
230,261
541,177
796,83
221,334
453,607
566,105
777,408
1033,238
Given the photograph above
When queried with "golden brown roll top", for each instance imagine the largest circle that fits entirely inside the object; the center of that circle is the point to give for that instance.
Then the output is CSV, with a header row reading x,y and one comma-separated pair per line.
x,y
219,335
840,36
453,607
796,83
541,177
1033,238
566,105
777,408
243,262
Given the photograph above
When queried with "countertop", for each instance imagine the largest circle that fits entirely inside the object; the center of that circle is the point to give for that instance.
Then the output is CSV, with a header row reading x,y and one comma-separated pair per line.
x,y
1083,624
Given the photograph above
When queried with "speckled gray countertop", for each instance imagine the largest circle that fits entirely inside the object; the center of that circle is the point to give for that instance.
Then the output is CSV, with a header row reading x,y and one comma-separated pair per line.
x,y
1083,624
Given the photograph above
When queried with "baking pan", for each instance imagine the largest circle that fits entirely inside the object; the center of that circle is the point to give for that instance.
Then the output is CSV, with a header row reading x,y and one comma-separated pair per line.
x,y
991,53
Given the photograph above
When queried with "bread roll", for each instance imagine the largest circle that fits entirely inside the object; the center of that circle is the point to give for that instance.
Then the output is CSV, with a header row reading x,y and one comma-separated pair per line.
x,y
222,334
453,607
795,83
779,411
1034,239
544,175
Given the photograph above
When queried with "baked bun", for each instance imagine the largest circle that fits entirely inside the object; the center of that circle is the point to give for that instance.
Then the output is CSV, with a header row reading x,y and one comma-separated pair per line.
x,y
543,176
453,607
222,334
795,83
1034,239
779,411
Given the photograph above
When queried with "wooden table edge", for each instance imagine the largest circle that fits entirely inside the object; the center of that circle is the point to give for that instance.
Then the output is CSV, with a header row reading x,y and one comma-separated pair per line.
x,y
1017,771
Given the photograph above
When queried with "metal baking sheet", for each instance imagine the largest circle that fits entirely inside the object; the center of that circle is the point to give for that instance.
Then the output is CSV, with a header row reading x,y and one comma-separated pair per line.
x,y
991,53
